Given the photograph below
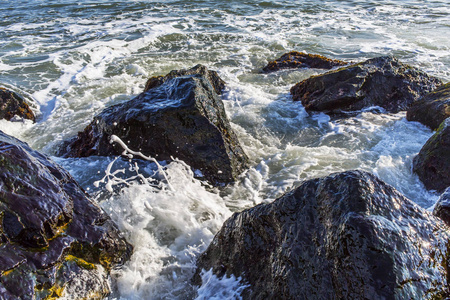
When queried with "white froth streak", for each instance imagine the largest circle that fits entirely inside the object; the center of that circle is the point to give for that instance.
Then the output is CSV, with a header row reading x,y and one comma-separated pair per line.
x,y
129,153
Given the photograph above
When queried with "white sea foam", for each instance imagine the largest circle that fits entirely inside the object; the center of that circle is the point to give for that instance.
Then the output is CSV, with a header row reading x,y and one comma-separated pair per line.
x,y
214,288
169,218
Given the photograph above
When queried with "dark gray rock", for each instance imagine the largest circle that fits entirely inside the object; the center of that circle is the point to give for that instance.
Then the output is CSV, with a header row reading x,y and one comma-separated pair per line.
x,y
432,164
442,207
217,83
296,60
382,81
48,224
12,104
182,118
432,109
345,236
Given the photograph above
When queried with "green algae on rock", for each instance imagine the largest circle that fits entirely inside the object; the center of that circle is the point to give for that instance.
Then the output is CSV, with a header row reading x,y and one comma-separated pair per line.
x,y
51,232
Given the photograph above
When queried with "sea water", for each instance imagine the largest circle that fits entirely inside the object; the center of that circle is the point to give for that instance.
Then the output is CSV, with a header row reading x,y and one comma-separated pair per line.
x,y
74,58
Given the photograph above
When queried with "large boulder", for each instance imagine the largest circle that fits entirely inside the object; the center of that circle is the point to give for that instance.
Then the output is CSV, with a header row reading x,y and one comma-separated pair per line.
x,y
296,60
183,117
432,164
12,104
51,234
432,109
383,81
345,236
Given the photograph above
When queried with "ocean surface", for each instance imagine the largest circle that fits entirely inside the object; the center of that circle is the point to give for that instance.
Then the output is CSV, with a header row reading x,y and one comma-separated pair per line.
x,y
74,58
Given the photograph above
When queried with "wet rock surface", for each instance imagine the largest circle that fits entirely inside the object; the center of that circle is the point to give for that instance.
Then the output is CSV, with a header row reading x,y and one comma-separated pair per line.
x,y
432,109
432,164
383,81
180,117
12,104
216,82
442,207
50,231
296,60
345,236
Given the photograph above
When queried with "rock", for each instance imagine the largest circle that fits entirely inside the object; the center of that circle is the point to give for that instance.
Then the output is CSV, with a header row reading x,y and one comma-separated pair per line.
x,y
12,104
345,236
217,83
50,231
296,60
432,164
442,207
182,118
432,109
381,81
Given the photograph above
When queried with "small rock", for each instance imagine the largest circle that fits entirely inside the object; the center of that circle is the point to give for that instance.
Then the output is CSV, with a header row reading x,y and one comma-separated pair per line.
x,y
383,81
442,207
296,60
432,164
432,109
12,104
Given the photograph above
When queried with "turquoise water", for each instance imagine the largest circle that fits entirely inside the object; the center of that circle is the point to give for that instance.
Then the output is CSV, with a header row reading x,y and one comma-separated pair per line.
x,y
74,58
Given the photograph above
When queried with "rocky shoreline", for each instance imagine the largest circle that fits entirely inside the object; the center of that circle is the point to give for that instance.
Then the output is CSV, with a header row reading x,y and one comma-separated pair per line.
x,y
348,235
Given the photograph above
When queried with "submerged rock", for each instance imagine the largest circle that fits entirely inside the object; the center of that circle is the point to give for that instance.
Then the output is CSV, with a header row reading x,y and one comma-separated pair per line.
x,y
296,60
432,109
183,118
442,207
345,236
432,164
381,81
12,104
50,231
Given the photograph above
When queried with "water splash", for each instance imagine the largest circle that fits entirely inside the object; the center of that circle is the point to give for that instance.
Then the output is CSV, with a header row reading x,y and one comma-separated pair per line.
x,y
169,217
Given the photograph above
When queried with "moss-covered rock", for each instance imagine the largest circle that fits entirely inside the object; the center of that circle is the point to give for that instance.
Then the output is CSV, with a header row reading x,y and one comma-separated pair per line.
x,y
432,109
296,60
382,82
48,224
432,164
